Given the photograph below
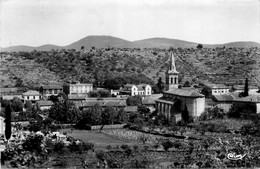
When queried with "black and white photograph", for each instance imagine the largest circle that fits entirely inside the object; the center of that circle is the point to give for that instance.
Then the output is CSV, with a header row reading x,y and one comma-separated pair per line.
x,y
157,84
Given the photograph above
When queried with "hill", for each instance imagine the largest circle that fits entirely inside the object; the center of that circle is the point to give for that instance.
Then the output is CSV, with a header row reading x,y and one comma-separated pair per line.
x,y
132,65
101,42
110,41
164,43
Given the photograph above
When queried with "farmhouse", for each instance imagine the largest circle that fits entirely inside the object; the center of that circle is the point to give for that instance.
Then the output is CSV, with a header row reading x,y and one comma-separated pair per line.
x,y
49,90
77,88
176,103
43,104
31,95
218,89
133,90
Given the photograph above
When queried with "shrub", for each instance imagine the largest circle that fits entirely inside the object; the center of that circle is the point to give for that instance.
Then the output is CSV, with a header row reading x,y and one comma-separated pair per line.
x,y
124,146
59,147
81,125
167,144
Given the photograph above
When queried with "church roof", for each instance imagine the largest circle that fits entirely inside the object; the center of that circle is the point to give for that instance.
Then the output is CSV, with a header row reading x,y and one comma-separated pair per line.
x,y
184,93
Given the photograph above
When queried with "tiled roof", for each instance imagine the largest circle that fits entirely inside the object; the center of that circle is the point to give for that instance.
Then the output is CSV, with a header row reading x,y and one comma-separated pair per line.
x,y
10,97
76,97
44,103
217,86
131,109
151,99
184,93
32,93
51,87
251,98
241,87
128,85
105,103
224,97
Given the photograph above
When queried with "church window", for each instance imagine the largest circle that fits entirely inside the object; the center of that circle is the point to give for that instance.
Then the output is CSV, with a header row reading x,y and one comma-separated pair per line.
x,y
171,80
175,80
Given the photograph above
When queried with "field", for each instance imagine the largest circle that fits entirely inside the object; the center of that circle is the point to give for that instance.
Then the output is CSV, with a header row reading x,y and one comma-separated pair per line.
x,y
101,140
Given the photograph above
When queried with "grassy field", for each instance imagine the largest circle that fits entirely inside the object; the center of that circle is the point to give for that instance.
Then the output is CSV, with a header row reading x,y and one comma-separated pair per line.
x,y
100,140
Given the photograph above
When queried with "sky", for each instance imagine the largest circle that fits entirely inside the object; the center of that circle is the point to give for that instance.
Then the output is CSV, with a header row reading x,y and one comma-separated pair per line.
x,y
62,22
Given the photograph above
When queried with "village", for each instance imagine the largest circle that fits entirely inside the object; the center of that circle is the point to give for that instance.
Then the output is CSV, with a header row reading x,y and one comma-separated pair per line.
x,y
132,121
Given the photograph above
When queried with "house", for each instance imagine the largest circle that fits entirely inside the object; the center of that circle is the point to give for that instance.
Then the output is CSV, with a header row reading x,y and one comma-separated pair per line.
x,y
77,100
44,104
174,102
77,88
31,95
49,90
224,102
134,90
177,104
217,89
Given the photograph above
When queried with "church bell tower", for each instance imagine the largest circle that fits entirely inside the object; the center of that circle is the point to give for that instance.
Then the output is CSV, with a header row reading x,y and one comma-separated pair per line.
x,y
171,75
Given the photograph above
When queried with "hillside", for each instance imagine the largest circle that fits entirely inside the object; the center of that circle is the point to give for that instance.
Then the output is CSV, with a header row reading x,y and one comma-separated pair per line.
x,y
164,43
109,41
16,71
101,42
218,65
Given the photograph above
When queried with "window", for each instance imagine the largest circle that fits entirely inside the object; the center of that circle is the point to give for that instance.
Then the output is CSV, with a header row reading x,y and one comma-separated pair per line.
x,y
171,80
175,80
33,97
55,91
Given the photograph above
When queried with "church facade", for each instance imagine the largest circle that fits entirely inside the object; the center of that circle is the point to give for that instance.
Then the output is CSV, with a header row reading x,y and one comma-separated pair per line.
x,y
176,104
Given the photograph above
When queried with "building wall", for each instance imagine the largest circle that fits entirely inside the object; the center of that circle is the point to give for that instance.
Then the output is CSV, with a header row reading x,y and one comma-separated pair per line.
x,y
134,91
77,88
31,97
195,106
148,90
219,91
225,106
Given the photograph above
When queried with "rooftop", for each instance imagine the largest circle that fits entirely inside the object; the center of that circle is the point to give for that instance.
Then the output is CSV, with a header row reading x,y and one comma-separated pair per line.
x,y
32,93
44,103
217,86
184,93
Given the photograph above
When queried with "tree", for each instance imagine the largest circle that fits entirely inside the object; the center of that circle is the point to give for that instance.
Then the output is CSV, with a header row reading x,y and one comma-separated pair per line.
x,y
160,85
134,101
143,110
8,128
17,104
246,88
28,105
65,112
200,46
187,84
92,116
108,116
185,114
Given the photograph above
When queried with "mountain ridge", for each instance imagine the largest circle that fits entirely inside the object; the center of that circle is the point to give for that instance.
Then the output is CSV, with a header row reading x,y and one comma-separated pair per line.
x,y
105,41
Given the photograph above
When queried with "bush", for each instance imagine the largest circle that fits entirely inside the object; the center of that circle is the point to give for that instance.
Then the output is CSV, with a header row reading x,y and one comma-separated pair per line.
x,y
167,144
81,125
59,147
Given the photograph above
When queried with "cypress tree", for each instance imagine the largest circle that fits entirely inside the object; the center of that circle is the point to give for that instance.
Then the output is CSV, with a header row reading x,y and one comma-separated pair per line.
x,y
246,88
8,130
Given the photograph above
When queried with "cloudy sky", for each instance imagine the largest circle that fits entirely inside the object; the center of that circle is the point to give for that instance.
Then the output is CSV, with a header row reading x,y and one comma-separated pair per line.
x,y
61,22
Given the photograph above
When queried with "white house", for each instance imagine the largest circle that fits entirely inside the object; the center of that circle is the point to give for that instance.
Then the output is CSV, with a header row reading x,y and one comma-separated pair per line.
x,y
218,89
77,88
31,95
134,90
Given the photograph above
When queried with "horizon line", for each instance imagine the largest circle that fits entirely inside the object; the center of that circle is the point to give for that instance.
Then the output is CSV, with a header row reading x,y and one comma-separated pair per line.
x,y
134,41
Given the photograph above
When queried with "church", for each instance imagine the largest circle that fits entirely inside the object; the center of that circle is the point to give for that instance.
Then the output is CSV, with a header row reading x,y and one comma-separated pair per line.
x,y
179,104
